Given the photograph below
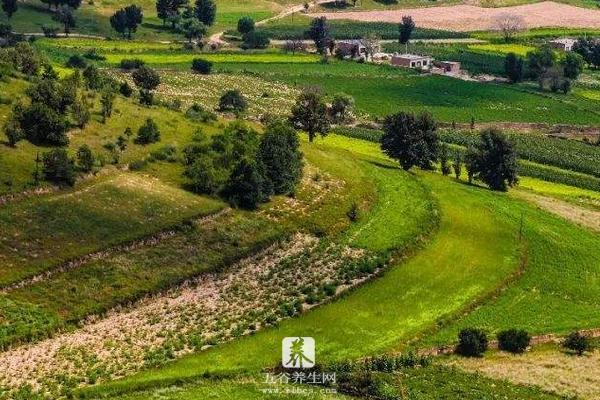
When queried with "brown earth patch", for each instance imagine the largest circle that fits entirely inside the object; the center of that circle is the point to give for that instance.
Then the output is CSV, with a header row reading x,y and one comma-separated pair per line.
x,y
471,18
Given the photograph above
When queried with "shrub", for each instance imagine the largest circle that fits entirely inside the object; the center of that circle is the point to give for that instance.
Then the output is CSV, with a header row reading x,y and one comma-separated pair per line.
x,y
50,31
137,165
255,40
201,66
76,61
513,340
129,64
353,213
472,342
148,133
43,125
85,158
233,100
165,153
92,54
59,167
125,89
198,113
577,342
245,25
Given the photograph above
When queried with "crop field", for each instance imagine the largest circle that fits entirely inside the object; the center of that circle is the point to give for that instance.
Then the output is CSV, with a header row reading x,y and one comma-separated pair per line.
x,y
518,49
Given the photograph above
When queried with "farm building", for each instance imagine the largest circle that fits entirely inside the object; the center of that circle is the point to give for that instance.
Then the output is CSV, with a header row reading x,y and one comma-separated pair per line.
x,y
354,48
411,61
564,44
450,67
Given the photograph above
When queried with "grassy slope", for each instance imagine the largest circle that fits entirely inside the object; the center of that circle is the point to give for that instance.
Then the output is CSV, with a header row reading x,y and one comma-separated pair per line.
x,y
43,231
381,315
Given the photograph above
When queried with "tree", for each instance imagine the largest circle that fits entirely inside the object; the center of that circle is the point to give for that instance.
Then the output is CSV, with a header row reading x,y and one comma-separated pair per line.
x,y
371,44
246,185
169,10
513,340
233,100
9,7
12,127
509,25
457,165
203,174
43,125
540,61
206,11
577,343
59,167
65,16
146,79
496,163
589,49
443,157
107,100
81,112
201,66
279,153
513,67
573,65
85,159
319,33
245,25
193,29
310,114
472,342
341,108
405,30
148,133
471,163
126,20
411,140
255,40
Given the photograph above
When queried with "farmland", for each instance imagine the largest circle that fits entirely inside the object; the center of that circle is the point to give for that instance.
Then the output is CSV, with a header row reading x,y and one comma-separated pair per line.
x,y
174,205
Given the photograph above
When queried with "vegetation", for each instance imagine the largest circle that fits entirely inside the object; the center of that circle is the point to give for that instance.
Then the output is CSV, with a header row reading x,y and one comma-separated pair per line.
x,y
577,343
472,342
513,340
310,114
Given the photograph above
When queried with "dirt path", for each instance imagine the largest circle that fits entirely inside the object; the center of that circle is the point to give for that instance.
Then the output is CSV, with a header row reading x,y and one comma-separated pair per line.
x,y
470,18
579,215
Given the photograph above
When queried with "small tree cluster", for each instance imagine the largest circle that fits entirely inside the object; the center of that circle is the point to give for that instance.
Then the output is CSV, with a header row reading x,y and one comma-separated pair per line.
x,y
493,160
243,168
543,66
589,49
126,20
411,140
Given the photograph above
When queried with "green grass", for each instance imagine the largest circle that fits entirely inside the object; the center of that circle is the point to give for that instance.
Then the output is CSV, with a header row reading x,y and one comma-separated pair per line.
x,y
43,231
575,195
539,33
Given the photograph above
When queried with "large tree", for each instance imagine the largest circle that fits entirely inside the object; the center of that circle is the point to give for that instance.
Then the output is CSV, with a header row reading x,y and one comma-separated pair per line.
x,y
405,30
509,25
513,67
169,10
193,29
279,153
126,20
310,113
65,16
319,33
411,140
9,7
496,162
206,11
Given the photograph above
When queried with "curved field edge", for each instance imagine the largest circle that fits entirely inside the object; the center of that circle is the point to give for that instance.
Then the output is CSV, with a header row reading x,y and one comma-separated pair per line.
x,y
447,274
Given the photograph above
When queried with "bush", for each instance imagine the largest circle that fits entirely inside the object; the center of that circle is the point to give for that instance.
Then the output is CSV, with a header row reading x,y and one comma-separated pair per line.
x,y
577,342
245,25
43,125
201,66
92,54
472,342
129,64
59,167
513,340
198,113
50,31
165,153
233,100
125,89
85,159
76,61
255,40
148,133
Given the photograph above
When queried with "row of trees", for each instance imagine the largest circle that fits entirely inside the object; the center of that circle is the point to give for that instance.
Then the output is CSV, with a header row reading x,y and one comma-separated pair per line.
x,y
544,66
243,167
473,342
412,140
